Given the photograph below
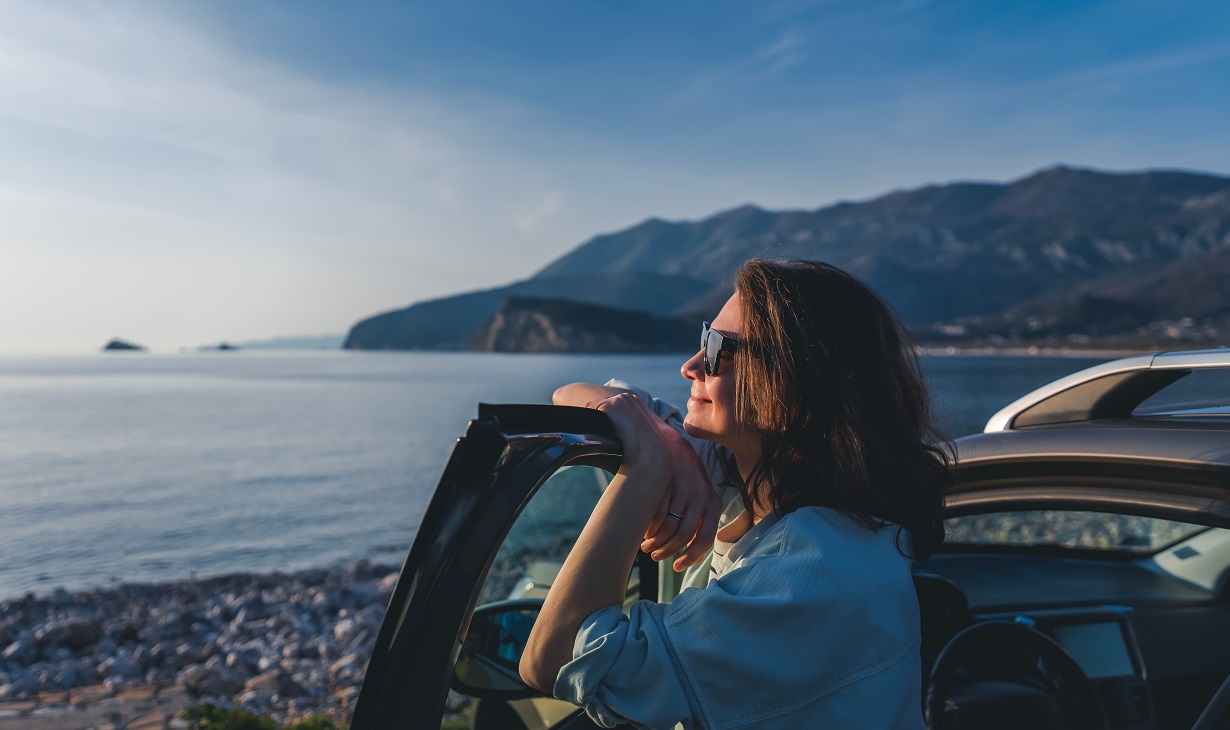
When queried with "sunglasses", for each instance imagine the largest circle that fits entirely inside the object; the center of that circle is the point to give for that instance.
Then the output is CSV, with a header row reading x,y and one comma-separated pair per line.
x,y
713,344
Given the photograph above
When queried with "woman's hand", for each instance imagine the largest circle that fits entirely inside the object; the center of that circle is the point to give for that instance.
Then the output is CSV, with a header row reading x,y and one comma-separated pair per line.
x,y
690,495
688,513
645,453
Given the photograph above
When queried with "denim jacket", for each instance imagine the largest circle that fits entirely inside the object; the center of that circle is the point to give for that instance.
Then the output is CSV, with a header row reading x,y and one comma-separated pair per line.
x,y
814,624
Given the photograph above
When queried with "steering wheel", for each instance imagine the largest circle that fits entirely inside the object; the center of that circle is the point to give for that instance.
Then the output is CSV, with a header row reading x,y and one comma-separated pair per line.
x,y
1001,674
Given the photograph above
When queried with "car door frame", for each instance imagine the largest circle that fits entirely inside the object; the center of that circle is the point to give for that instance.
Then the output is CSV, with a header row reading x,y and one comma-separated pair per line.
x,y
495,469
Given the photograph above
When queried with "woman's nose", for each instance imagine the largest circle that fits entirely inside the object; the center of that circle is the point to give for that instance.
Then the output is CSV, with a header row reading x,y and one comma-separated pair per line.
x,y
693,368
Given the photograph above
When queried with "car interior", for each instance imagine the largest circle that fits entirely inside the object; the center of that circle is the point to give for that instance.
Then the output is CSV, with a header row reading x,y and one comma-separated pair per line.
x,y
1030,619
1144,619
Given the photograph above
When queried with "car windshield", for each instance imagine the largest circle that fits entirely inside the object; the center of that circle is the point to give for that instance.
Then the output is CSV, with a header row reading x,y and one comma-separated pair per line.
x,y
1068,529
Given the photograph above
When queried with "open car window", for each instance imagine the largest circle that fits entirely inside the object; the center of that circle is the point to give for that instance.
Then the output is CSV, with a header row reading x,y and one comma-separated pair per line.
x,y
544,534
524,567
1078,530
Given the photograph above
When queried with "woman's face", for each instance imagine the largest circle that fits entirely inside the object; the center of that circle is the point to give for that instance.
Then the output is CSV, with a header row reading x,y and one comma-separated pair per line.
x,y
711,409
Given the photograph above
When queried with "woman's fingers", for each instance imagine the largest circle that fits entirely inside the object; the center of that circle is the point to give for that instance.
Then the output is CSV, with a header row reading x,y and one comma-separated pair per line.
x,y
685,529
654,524
700,543
667,523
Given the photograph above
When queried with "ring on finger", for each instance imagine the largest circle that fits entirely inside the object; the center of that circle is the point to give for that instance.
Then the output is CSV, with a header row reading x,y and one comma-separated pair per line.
x,y
675,516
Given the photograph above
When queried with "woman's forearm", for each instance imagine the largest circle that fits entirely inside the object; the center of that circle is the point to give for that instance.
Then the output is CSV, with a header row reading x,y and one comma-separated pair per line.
x,y
583,394
595,574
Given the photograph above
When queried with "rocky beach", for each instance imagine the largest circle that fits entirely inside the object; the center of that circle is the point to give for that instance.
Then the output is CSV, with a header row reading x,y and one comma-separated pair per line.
x,y
283,644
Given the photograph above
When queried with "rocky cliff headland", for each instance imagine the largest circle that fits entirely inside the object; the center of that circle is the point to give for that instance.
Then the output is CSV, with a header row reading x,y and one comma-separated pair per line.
x,y
527,324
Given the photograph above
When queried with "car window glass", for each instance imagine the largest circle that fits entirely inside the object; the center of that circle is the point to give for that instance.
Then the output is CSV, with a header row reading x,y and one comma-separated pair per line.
x,y
526,564
544,534
1205,391
1068,528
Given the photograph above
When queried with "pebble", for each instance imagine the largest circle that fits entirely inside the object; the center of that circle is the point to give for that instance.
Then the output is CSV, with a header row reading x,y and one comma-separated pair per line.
x,y
282,644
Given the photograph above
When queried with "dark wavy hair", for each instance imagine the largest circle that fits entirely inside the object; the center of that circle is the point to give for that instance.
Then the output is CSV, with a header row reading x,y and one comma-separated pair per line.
x,y
828,375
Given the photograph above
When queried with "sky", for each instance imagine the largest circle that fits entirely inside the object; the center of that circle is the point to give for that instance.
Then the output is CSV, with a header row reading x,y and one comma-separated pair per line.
x,y
185,173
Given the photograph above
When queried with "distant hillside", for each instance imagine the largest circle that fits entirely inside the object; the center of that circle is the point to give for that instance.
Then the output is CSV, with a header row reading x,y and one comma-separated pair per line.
x,y
1062,244
526,324
1183,300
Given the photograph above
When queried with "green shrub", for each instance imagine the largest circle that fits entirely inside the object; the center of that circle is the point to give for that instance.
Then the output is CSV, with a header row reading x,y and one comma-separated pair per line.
x,y
213,717
315,722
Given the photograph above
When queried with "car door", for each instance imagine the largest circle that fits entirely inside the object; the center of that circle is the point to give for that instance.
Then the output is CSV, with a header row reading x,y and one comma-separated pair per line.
x,y
511,502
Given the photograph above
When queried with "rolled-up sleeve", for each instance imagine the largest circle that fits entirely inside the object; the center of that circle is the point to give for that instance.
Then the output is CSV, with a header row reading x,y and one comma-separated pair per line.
x,y
623,667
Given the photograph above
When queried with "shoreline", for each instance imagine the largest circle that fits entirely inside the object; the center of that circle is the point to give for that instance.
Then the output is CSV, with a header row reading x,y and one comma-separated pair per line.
x,y
279,644
1025,348
1016,348
933,350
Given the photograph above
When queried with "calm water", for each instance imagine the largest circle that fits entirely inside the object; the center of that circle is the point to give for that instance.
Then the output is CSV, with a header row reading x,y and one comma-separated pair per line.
x,y
135,467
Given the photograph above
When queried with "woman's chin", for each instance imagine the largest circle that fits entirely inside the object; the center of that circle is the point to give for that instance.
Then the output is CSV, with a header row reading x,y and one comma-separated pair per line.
x,y
697,431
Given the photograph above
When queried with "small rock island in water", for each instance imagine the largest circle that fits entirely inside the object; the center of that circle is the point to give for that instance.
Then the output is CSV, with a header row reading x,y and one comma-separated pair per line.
x,y
121,345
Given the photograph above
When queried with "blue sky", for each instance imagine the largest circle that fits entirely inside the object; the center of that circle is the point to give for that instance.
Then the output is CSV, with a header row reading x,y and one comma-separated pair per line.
x,y
191,172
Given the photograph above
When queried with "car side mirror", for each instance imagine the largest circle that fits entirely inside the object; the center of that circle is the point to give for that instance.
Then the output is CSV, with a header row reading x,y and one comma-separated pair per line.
x,y
489,657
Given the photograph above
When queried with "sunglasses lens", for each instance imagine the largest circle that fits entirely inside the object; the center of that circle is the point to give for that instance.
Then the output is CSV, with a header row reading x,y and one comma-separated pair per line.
x,y
704,347
711,343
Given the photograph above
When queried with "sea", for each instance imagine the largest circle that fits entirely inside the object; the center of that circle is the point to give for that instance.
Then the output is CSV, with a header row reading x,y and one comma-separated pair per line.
x,y
137,467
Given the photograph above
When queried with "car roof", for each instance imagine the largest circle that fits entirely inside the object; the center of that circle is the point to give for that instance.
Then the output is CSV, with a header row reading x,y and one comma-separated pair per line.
x,y
1089,420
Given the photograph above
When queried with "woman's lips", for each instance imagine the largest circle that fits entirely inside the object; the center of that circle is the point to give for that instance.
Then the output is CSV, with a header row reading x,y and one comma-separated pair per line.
x,y
698,401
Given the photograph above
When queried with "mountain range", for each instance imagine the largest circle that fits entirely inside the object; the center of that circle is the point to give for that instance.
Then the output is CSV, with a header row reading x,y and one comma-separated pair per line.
x,y
1061,253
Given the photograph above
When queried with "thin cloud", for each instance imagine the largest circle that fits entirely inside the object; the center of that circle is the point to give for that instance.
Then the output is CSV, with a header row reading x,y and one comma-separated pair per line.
x,y
788,50
275,145
1132,69
262,133
548,204
173,127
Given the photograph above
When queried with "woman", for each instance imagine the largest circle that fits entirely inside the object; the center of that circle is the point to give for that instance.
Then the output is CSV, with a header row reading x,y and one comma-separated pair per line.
x,y
809,618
